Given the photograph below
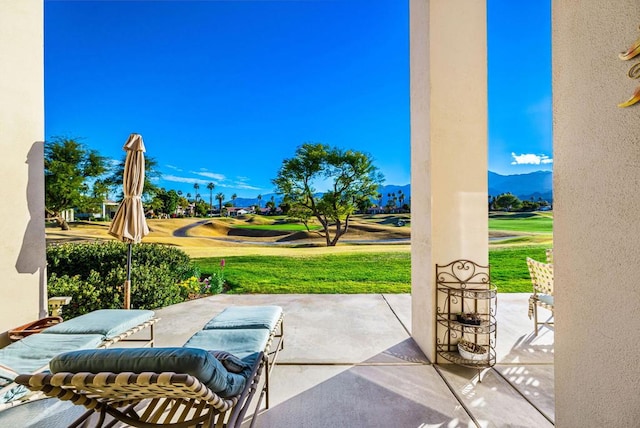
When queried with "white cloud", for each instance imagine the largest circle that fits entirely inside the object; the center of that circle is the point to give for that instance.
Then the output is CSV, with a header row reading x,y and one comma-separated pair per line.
x,y
241,185
212,175
174,168
223,183
177,179
530,159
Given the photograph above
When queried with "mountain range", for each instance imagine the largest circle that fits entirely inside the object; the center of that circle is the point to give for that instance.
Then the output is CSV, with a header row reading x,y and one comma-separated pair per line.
x,y
534,185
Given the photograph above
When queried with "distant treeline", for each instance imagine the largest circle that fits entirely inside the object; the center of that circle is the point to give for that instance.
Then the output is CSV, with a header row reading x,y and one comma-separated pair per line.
x,y
510,202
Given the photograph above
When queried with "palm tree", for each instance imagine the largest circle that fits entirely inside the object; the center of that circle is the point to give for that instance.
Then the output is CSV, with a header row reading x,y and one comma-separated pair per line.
x,y
196,186
259,199
233,199
189,197
220,198
211,186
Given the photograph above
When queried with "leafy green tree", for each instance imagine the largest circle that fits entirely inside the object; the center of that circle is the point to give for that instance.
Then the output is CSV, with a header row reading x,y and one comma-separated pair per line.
x,y
352,177
363,204
302,213
69,168
201,208
285,207
529,206
272,206
151,173
165,201
507,202
183,203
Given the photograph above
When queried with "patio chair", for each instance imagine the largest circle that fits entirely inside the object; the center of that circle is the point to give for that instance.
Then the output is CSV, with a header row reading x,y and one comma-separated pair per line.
x,y
98,329
542,280
211,381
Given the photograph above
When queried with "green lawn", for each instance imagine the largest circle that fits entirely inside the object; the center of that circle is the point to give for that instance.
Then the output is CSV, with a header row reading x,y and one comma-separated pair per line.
x,y
356,272
339,273
521,222
509,267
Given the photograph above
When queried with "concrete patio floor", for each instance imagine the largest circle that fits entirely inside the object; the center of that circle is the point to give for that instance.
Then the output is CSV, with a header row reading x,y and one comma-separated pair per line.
x,y
349,361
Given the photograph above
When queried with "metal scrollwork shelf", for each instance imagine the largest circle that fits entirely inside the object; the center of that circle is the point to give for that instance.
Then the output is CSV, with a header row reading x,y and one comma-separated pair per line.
x,y
466,311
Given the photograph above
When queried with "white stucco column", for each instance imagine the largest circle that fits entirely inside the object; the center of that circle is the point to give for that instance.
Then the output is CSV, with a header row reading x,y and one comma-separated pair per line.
x,y
22,251
448,57
596,215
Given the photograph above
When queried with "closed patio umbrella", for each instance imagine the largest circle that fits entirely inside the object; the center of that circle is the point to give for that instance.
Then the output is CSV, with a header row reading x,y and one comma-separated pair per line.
x,y
129,224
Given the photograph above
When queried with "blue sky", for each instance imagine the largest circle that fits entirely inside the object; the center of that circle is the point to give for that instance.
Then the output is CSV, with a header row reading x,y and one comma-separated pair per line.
x,y
223,91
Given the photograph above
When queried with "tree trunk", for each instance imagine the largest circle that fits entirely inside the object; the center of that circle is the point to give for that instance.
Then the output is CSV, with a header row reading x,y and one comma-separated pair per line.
x,y
62,223
327,236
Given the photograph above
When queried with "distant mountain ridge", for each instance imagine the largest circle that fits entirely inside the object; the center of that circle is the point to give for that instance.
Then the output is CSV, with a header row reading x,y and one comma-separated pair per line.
x,y
534,185
384,191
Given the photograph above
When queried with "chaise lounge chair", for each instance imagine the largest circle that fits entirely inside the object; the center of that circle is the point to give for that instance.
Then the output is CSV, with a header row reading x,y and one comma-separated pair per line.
x,y
211,381
98,329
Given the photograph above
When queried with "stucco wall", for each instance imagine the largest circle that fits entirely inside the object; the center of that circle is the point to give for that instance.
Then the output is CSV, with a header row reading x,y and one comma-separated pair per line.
x,y
448,147
597,213
22,244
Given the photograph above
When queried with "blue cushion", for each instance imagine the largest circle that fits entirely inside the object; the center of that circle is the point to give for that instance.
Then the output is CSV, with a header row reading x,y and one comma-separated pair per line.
x,y
195,362
34,352
246,317
240,343
107,322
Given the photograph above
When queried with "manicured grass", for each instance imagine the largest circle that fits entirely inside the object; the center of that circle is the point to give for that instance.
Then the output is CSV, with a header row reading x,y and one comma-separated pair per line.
x,y
356,272
294,227
336,273
521,222
509,267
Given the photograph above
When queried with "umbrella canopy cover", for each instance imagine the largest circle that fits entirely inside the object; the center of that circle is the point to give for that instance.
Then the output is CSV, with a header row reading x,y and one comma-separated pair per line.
x,y
129,223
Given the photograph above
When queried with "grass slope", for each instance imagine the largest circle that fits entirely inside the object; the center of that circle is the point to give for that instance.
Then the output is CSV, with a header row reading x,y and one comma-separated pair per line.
x,y
521,222
381,272
342,269
384,272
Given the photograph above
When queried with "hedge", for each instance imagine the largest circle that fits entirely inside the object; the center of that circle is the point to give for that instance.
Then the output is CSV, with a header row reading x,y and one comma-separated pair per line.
x,y
93,274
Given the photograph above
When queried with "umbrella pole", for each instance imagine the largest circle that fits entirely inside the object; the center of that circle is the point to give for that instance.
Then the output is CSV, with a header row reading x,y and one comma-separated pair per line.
x,y
127,283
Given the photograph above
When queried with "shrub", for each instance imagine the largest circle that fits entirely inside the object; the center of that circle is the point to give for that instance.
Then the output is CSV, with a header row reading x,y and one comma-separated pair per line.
x,y
93,274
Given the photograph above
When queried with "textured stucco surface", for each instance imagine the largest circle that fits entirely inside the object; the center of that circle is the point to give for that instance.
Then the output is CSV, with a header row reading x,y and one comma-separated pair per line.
x,y
22,246
597,207
448,146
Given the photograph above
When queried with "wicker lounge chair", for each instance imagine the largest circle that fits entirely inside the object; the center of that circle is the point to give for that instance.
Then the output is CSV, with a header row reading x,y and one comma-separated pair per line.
x,y
98,329
242,329
146,387
211,381
542,280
